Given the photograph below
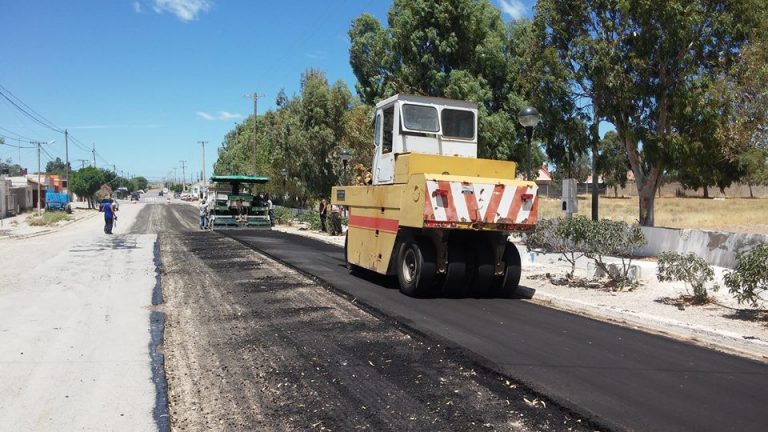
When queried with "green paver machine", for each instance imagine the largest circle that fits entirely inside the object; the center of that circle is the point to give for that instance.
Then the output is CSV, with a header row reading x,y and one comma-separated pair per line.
x,y
234,203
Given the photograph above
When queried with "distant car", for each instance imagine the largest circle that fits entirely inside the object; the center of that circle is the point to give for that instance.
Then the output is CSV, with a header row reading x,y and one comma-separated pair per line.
x,y
141,191
160,193
135,196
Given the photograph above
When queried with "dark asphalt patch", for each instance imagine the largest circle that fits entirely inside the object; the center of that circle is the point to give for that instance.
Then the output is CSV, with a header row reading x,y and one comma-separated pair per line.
x,y
160,411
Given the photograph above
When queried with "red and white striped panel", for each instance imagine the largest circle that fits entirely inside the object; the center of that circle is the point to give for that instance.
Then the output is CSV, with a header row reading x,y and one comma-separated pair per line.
x,y
452,201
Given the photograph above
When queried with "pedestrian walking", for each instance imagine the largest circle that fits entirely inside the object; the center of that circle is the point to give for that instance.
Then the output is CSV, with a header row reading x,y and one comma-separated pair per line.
x,y
323,214
109,216
203,214
335,220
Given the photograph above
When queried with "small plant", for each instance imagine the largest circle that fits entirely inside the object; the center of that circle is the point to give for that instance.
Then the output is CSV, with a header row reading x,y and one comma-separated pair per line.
x,y
283,216
564,236
750,277
312,219
688,268
48,218
615,239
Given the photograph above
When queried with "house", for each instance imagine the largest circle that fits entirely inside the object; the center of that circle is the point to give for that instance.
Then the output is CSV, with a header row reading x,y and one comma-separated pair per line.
x,y
7,198
24,190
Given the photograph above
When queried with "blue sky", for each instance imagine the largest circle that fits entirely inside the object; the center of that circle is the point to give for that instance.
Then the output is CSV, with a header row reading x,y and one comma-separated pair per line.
x,y
145,80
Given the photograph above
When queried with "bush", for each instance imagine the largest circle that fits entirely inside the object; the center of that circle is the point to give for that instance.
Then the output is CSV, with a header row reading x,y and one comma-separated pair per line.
x,y
750,277
615,239
688,268
564,236
283,216
311,218
48,218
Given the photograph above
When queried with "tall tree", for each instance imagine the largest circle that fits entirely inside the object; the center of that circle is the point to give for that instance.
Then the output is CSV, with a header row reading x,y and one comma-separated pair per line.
x,y
639,61
56,166
612,163
85,182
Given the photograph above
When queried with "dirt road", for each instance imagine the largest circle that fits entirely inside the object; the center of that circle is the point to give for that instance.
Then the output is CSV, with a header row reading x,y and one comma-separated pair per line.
x,y
251,344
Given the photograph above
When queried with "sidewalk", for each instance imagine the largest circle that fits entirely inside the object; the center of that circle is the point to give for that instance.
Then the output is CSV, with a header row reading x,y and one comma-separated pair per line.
x,y
16,227
75,307
723,325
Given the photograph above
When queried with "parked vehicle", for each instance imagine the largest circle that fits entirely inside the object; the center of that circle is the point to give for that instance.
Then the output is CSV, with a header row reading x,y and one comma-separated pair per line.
x,y
57,201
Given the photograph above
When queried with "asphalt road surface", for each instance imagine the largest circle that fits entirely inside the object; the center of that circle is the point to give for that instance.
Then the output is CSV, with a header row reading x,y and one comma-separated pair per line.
x,y
618,377
251,344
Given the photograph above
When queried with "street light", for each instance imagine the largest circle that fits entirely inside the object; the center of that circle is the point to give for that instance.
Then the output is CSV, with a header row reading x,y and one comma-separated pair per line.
x,y
344,156
528,118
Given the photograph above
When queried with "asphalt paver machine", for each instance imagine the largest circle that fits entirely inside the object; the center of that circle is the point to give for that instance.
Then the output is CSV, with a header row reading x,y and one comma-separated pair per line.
x,y
234,202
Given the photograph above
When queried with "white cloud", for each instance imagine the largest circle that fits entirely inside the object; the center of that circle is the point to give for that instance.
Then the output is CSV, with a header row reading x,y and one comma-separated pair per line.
x,y
185,10
222,115
514,8
137,7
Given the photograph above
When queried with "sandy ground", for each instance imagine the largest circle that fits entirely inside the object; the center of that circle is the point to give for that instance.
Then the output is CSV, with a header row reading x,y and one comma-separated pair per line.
x,y
74,319
723,324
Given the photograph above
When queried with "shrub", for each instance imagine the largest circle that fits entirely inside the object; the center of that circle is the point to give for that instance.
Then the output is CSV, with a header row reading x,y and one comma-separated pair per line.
x,y
283,215
311,218
688,268
615,239
48,218
750,277
564,236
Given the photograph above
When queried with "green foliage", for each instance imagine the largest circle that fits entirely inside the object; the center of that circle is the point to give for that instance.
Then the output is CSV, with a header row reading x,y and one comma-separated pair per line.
x,y
460,49
311,218
643,64
688,268
579,236
56,166
304,136
8,168
283,216
564,236
608,238
139,183
85,182
754,164
612,162
48,219
750,277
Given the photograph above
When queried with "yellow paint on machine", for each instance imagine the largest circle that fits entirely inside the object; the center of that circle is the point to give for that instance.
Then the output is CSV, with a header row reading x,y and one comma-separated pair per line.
x,y
402,203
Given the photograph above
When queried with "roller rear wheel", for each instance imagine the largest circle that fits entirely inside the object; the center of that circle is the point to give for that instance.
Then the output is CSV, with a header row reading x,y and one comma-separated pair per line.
x,y
416,268
456,283
507,285
484,267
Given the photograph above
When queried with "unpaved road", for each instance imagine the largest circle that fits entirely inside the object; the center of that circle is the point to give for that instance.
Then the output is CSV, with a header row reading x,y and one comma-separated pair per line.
x,y
251,344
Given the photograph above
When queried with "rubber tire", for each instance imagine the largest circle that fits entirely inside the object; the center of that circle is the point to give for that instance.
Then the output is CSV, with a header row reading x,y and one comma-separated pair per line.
x,y
425,268
510,281
456,283
484,267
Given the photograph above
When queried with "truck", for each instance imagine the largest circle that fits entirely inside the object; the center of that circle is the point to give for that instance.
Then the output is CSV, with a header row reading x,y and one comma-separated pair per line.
x,y
57,201
433,213
234,203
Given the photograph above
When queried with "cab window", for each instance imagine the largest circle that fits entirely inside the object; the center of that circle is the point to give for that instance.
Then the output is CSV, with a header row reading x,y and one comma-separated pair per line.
x,y
420,118
389,125
458,123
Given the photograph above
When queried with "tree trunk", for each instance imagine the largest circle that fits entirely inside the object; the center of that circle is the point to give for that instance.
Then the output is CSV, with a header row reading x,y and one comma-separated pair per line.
x,y
647,197
615,191
706,191
749,185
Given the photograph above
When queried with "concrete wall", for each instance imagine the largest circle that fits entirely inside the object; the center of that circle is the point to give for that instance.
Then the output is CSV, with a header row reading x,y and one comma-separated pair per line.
x,y
717,248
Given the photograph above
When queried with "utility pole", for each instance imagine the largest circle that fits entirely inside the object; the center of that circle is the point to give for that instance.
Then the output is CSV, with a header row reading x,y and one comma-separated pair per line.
x,y
203,143
94,155
82,162
183,176
114,168
66,160
255,98
38,178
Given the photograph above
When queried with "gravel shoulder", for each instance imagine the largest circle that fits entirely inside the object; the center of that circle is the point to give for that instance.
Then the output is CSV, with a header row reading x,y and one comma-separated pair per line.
x,y
723,324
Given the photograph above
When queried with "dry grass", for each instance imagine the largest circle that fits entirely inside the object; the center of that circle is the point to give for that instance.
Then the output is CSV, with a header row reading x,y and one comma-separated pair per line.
x,y
735,214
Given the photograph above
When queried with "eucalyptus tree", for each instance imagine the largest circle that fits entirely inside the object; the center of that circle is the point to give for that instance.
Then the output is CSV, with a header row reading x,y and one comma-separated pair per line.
x,y
639,63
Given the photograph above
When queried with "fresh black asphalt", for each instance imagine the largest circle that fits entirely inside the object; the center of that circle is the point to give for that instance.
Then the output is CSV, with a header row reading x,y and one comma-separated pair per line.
x,y
623,378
